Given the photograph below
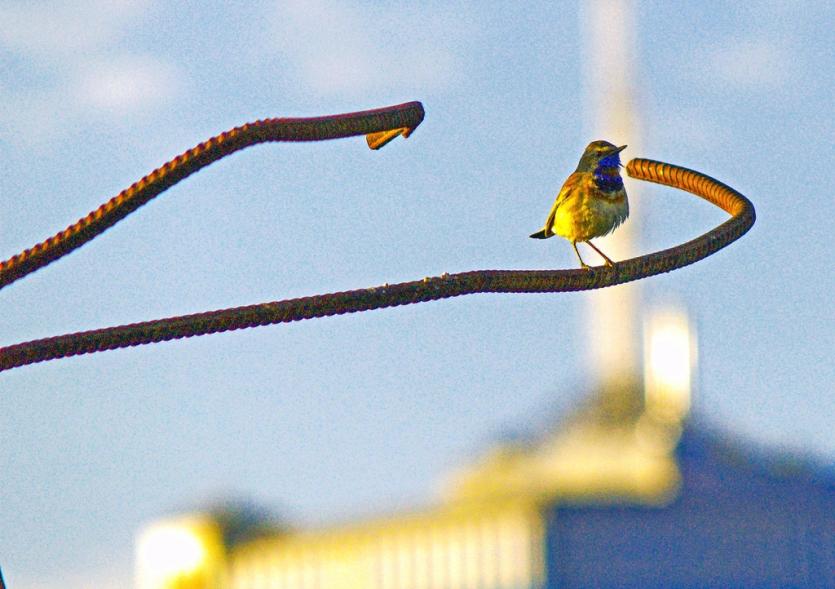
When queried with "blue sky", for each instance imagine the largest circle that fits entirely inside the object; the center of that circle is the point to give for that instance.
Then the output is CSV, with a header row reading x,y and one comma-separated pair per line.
x,y
328,418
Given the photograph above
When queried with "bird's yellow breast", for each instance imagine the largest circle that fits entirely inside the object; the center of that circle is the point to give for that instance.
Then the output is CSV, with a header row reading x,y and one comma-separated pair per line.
x,y
587,212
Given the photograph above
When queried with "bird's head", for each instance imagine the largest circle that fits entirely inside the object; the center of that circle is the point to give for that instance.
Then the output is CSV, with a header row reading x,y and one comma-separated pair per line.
x,y
600,154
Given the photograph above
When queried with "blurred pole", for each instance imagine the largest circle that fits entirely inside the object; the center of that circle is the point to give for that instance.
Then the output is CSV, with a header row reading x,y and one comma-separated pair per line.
x,y
609,62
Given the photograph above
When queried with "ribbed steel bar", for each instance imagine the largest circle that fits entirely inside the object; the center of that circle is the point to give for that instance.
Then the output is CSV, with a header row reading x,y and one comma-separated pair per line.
x,y
427,289
378,125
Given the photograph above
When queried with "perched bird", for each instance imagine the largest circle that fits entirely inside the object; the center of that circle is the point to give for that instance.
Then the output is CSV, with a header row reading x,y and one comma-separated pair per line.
x,y
592,202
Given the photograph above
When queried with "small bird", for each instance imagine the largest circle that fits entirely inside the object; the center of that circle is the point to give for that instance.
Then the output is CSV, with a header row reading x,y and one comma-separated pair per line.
x,y
592,202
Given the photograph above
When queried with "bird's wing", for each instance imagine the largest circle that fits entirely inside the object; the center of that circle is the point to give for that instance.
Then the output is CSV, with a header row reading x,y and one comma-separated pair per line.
x,y
570,184
548,230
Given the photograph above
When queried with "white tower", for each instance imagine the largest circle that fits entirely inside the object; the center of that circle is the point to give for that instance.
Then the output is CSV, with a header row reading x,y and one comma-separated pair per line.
x,y
612,321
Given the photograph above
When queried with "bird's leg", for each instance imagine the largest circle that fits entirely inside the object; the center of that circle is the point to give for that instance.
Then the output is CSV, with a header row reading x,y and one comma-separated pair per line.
x,y
576,251
602,255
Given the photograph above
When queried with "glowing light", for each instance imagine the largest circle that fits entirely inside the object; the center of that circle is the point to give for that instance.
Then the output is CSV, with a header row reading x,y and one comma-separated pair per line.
x,y
167,553
669,359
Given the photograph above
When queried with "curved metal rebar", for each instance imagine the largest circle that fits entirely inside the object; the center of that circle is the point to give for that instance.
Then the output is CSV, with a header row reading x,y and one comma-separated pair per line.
x,y
428,289
379,125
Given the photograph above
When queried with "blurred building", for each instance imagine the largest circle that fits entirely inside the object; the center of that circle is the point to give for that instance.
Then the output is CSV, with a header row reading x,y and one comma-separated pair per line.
x,y
623,493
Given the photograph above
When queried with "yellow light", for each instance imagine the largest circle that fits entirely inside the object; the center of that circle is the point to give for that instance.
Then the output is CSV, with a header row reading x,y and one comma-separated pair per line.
x,y
669,358
168,552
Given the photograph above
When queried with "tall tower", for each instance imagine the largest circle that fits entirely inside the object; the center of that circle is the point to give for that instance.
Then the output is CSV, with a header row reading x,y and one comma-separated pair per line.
x,y
612,321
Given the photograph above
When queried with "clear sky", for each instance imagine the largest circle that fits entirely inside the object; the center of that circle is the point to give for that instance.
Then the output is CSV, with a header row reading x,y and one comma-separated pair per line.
x,y
324,419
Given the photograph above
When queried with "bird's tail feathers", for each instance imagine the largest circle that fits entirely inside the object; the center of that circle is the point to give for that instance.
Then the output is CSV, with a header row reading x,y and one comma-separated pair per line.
x,y
542,234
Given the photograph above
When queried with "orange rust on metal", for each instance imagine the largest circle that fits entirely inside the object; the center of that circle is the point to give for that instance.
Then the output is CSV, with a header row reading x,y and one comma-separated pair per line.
x,y
390,295
378,140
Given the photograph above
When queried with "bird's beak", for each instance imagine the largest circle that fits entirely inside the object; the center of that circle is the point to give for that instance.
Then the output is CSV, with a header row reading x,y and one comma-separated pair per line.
x,y
619,149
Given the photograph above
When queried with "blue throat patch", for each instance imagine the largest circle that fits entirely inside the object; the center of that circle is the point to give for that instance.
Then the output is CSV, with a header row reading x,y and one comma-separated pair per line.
x,y
610,161
607,173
